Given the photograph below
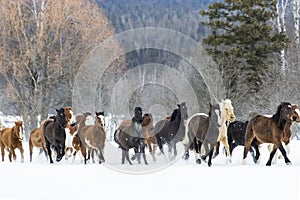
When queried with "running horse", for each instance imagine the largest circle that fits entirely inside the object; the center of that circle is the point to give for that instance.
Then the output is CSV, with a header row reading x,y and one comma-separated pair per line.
x,y
209,129
10,139
36,138
55,135
129,135
171,131
272,130
92,137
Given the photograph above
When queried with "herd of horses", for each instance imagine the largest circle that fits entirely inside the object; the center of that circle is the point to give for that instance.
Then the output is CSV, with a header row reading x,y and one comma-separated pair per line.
x,y
66,134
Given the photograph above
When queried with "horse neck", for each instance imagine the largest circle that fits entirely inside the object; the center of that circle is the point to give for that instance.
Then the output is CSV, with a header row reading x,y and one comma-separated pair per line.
x,y
223,115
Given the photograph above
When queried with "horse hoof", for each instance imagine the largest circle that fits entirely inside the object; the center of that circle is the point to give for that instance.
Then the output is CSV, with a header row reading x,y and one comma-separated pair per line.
x,y
198,161
186,156
288,163
209,164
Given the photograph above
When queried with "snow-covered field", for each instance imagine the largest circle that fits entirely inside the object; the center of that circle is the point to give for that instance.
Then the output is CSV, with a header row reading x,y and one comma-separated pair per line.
x,y
177,179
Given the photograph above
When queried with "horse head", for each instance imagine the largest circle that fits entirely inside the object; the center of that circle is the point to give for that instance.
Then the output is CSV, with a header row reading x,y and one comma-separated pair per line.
x,y
18,130
148,121
100,118
138,115
227,108
215,115
70,117
287,111
183,110
60,118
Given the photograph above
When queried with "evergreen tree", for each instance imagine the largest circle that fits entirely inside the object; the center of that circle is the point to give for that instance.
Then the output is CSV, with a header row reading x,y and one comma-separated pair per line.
x,y
243,42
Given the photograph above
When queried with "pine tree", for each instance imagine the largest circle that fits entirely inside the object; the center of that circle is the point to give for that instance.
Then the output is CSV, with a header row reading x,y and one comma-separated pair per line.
x,y
242,41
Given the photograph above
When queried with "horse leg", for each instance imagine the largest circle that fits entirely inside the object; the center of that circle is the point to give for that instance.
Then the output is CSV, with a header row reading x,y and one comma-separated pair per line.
x,y
272,155
101,157
197,146
30,150
143,153
210,155
127,157
175,149
217,150
22,153
190,145
123,156
2,151
283,152
249,136
159,142
10,154
224,141
49,151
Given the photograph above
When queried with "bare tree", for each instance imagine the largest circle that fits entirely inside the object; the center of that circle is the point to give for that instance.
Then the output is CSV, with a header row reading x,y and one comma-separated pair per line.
x,y
42,46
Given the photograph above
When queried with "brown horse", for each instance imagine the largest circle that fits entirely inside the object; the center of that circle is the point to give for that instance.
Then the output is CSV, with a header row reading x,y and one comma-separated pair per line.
x,y
11,138
129,135
272,130
92,137
149,138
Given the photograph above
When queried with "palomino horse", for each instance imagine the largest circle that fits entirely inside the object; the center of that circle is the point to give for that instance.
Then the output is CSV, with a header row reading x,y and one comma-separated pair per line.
x,y
272,130
129,135
55,135
202,129
92,137
11,138
171,131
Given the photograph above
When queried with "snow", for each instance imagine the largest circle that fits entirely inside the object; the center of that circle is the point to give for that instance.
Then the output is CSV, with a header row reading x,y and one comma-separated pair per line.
x,y
177,179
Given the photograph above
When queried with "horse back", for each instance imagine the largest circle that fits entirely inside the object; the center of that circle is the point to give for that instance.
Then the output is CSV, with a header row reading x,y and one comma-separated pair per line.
x,y
198,126
53,133
4,136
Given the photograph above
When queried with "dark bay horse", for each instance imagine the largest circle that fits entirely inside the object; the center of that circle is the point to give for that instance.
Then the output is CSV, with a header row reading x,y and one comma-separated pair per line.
x,y
92,137
171,131
10,139
129,135
272,130
55,135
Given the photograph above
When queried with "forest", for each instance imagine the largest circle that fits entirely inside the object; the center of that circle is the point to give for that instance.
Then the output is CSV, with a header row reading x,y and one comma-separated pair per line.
x,y
44,44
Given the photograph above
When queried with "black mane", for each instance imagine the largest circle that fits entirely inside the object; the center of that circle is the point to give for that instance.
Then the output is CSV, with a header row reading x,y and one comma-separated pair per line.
x,y
174,114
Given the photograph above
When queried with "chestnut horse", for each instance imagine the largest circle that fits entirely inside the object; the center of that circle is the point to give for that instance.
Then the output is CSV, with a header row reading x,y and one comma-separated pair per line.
x,y
272,130
92,137
149,138
11,138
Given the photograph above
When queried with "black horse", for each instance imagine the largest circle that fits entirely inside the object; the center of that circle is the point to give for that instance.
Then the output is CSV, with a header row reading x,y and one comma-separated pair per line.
x,y
236,137
129,135
171,131
55,135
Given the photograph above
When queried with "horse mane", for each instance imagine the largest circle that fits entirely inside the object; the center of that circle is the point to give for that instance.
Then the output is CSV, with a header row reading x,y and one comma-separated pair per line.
x,y
174,114
276,116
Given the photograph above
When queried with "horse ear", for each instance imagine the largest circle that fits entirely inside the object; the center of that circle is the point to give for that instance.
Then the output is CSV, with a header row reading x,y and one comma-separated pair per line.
x,y
57,110
16,123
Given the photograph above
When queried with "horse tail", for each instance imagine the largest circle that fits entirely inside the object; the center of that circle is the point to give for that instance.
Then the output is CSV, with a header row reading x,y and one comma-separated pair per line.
x,y
116,137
